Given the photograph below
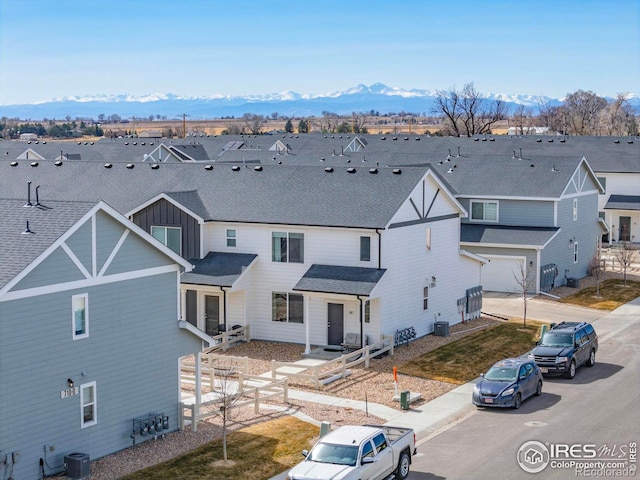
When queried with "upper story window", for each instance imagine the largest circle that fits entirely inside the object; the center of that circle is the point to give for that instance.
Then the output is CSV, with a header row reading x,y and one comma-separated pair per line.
x,y
575,209
484,211
287,247
428,239
231,237
169,236
88,404
603,182
365,249
80,316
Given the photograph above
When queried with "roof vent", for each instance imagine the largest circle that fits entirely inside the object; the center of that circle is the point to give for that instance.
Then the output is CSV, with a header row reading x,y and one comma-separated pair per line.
x,y
406,138
126,143
351,170
383,138
532,165
322,159
450,170
492,139
208,167
34,164
562,140
550,140
27,230
394,138
417,139
58,163
135,143
14,164
476,139
629,141
373,170
235,168
130,166
79,143
155,166
328,169
554,169
617,141
258,168
539,140
44,141
108,165
396,171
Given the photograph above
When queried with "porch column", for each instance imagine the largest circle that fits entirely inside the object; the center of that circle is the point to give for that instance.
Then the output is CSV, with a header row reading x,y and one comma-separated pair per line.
x,y
307,347
196,411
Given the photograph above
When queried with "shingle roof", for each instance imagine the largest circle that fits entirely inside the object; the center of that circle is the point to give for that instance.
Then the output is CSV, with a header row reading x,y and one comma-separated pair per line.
x,y
506,235
290,195
339,279
47,225
623,202
218,269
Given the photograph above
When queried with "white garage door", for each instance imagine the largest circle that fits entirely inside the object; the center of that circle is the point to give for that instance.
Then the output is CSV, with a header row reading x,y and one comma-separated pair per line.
x,y
501,273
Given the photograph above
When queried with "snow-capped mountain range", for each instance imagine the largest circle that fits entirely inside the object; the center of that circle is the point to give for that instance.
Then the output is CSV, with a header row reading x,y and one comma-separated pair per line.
x,y
360,98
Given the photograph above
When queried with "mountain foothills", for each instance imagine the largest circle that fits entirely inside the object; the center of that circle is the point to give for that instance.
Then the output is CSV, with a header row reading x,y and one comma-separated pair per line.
x,y
361,98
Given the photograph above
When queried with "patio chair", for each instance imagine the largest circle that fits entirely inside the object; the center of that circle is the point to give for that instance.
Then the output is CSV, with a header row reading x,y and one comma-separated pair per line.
x,y
352,341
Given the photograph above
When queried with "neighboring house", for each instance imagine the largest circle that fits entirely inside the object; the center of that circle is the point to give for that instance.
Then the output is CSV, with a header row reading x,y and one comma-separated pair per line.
x,y
89,334
301,254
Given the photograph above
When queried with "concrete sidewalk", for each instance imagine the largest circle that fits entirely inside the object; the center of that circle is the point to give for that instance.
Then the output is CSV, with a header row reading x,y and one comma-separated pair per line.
x,y
431,418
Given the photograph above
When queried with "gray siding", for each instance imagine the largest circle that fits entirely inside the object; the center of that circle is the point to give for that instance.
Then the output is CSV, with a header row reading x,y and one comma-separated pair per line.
x,y
56,266
519,212
131,353
163,213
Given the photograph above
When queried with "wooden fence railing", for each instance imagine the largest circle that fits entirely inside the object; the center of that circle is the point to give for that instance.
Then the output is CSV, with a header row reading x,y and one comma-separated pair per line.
x,y
336,368
226,340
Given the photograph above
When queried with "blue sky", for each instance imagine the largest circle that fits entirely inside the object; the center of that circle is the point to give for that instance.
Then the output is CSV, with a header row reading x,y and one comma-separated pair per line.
x,y
63,48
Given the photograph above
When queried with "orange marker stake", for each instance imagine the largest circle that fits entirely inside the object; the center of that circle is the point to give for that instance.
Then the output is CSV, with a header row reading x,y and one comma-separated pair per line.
x,y
395,374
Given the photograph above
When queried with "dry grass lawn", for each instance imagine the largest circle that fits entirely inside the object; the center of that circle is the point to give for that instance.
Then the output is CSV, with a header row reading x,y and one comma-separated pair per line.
x,y
463,360
613,294
256,452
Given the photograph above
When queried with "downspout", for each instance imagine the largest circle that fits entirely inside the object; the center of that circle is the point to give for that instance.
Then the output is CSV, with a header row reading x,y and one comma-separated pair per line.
x,y
379,248
362,342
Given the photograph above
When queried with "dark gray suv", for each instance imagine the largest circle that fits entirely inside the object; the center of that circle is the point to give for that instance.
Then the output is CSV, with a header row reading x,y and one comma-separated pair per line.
x,y
565,347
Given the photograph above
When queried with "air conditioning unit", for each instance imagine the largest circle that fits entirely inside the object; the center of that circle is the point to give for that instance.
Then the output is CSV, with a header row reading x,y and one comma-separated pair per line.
x,y
78,467
572,282
441,329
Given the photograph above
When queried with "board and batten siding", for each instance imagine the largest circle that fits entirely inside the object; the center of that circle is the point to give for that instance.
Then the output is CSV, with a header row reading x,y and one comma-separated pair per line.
x,y
164,214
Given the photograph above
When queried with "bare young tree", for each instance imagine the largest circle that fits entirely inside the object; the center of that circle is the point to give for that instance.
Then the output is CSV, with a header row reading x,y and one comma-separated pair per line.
x,y
596,269
524,280
625,255
229,391
467,112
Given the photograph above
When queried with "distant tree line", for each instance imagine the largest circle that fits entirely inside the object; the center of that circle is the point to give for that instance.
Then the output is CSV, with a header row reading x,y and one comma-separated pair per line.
x,y
464,112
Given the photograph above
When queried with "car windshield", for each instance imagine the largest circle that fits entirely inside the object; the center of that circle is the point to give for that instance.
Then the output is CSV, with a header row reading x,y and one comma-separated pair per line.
x,y
551,339
501,374
336,454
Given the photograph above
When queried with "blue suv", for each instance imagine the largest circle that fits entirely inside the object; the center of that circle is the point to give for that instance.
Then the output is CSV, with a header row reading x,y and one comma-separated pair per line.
x,y
508,383
565,347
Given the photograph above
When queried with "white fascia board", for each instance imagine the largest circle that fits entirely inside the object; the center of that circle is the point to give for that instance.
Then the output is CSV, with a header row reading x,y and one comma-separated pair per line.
x,y
501,245
508,197
164,196
443,187
474,256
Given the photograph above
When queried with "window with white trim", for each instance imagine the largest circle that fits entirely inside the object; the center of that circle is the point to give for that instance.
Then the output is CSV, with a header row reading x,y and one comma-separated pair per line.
x,y
169,236
575,209
365,249
484,211
287,247
231,237
428,239
80,316
287,307
575,252
425,298
88,405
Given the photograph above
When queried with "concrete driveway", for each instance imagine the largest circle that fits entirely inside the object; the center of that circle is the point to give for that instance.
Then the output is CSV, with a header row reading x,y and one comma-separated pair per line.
x,y
543,309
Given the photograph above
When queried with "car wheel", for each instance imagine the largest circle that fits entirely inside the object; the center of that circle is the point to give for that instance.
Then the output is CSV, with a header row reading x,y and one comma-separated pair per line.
x,y
539,388
572,370
517,401
592,359
402,471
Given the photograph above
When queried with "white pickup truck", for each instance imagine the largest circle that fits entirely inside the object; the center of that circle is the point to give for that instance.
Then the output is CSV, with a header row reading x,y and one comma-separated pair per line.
x,y
369,452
